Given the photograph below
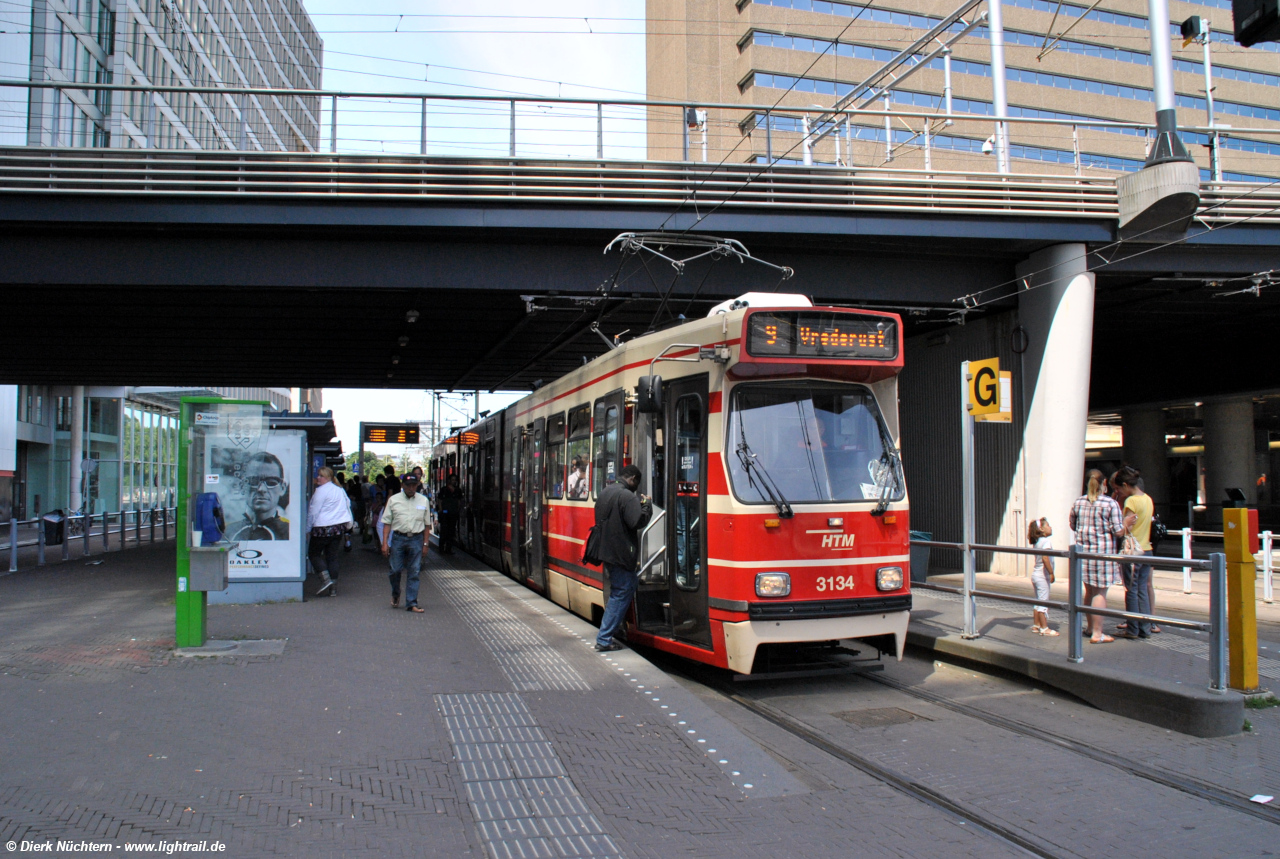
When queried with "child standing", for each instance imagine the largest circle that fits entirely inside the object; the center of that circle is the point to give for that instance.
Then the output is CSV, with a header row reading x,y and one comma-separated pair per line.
x,y
1038,534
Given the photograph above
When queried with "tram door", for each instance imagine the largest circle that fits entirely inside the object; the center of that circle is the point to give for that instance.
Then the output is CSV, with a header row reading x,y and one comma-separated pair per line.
x,y
518,459
536,448
685,483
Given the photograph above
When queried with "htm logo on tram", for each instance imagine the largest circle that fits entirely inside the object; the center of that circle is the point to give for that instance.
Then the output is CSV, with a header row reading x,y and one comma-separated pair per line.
x,y
837,541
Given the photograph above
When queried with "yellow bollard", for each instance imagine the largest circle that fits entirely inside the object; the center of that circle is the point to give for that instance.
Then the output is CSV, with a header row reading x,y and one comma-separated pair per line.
x,y
1242,611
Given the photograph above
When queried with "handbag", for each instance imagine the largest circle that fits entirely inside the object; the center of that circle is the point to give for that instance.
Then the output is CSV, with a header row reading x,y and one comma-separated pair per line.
x,y
1131,546
1159,530
592,549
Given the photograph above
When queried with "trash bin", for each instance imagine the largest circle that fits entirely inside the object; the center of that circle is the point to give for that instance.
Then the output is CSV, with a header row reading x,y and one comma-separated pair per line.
x,y
54,525
920,557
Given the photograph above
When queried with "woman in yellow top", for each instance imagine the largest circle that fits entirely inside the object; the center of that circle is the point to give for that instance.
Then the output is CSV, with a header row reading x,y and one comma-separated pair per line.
x,y
1137,577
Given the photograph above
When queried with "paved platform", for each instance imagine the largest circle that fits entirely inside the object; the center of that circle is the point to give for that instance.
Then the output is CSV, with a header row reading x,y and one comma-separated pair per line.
x,y
1162,681
485,727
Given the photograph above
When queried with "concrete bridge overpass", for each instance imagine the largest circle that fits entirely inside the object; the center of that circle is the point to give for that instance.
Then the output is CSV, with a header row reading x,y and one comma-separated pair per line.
x,y
275,268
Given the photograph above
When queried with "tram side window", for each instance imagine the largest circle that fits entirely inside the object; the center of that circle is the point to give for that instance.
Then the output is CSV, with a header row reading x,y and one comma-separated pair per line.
x,y
554,474
606,445
578,454
490,466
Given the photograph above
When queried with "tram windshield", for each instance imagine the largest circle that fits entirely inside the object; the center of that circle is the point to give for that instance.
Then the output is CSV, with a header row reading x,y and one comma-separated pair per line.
x,y
810,442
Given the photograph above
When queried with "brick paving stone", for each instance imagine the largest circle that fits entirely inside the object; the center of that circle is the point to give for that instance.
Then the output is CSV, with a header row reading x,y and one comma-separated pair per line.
x,y
337,747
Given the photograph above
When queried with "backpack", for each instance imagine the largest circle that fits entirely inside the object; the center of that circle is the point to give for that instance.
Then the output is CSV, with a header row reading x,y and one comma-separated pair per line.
x,y
1159,531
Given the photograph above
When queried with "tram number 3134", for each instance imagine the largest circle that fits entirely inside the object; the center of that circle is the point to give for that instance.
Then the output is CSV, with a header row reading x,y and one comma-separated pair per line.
x,y
835,583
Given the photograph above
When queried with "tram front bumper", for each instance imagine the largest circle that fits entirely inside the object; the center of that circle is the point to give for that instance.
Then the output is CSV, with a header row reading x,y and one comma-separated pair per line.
x,y
742,639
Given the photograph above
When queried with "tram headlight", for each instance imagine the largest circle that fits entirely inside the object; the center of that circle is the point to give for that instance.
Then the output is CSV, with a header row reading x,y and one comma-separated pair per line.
x,y
773,584
889,578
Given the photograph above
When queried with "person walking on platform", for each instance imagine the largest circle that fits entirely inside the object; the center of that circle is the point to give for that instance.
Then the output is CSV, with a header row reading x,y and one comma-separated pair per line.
x,y
329,515
448,507
377,500
620,516
406,528
1038,534
1137,577
393,482
1097,522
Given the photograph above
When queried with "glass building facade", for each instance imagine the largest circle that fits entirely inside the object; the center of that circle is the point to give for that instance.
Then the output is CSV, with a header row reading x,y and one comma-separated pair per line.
x,y
257,44
130,434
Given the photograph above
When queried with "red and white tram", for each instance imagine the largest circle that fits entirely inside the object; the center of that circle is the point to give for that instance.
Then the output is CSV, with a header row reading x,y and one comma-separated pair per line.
x,y
767,435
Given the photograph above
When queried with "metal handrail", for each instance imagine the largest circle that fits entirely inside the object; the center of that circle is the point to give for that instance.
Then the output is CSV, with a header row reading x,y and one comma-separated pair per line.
x,y
1076,610
644,533
86,534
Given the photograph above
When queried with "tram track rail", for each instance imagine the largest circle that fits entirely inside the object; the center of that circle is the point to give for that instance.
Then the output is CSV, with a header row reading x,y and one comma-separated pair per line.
x,y
1186,784
1021,841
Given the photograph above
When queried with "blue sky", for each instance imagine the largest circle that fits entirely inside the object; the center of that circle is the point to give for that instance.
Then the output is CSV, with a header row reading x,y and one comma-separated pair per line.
x,y
571,49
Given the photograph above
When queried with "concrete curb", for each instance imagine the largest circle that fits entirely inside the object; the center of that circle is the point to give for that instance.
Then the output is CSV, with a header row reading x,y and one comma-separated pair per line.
x,y
213,647
1186,709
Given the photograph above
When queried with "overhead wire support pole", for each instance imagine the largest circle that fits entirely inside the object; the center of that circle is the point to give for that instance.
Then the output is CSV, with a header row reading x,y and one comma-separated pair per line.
x,y
600,130
968,501
946,84
333,124
422,143
1214,140
513,128
995,27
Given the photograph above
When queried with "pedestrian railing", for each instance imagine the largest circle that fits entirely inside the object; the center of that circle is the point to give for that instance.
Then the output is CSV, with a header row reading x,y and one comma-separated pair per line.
x,y
1266,565
1076,611
89,529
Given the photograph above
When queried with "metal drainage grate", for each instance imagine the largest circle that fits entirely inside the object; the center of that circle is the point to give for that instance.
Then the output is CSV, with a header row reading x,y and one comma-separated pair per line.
x,y
881,717
523,801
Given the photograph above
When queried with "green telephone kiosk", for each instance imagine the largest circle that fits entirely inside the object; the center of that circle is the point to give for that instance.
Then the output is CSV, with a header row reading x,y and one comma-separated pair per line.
x,y
216,437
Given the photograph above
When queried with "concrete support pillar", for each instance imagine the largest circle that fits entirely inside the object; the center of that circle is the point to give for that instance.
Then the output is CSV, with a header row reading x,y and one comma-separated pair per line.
x,y
1228,450
1057,315
74,475
1144,449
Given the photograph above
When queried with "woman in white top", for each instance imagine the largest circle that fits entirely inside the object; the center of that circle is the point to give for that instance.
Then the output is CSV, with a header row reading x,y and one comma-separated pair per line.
x,y
329,515
1038,534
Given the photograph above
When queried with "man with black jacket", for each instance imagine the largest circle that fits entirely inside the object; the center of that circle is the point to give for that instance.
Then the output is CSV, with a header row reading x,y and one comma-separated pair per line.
x,y
448,506
620,516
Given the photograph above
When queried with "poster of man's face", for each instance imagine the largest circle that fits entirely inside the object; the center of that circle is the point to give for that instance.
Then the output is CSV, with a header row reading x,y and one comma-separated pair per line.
x,y
266,495
256,485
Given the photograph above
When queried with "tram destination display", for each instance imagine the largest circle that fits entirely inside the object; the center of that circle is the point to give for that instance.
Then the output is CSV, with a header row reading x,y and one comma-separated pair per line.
x,y
817,334
389,434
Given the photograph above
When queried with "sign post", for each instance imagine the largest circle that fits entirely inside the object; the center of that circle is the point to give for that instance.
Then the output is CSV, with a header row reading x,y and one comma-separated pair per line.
x,y
983,399
384,434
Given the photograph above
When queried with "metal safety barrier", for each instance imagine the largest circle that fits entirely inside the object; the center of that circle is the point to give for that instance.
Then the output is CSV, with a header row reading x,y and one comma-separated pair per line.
x,y
1076,611
83,526
1266,566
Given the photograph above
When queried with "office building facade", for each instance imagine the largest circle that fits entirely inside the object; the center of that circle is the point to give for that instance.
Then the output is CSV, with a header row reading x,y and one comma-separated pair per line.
x,y
804,55
261,44
130,434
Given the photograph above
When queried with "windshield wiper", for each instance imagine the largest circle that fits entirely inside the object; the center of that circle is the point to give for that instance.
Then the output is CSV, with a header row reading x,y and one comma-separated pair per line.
x,y
891,468
751,463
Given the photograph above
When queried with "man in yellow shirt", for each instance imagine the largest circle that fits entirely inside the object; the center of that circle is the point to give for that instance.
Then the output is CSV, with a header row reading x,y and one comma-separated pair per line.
x,y
406,529
1137,577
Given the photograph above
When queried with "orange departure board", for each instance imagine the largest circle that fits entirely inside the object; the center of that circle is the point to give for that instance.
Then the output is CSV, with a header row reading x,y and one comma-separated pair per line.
x,y
390,434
